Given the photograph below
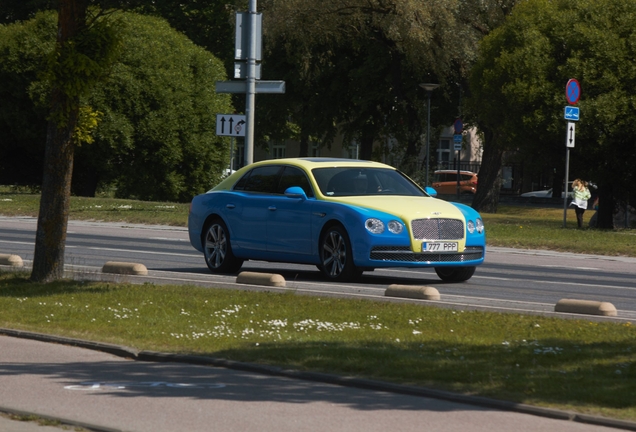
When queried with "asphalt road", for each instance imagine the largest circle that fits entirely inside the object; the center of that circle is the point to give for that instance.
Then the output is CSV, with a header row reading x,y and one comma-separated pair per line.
x,y
510,279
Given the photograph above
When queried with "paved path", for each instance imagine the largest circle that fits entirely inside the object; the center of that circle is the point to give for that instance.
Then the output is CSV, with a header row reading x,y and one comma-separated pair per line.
x,y
112,393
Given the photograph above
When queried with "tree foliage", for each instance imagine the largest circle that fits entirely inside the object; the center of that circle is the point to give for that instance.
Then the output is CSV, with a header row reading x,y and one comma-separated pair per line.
x,y
157,139
522,71
357,64
155,114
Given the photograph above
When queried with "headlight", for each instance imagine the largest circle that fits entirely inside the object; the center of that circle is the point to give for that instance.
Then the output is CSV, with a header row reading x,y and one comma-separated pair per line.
x,y
480,226
395,227
375,226
470,226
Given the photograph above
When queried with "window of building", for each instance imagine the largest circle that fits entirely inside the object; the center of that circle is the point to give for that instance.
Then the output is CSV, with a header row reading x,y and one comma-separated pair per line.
x,y
444,152
315,150
277,151
353,151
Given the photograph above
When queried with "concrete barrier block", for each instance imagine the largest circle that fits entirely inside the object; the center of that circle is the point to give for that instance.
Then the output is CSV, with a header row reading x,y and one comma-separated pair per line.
x,y
588,307
125,268
410,291
253,278
11,260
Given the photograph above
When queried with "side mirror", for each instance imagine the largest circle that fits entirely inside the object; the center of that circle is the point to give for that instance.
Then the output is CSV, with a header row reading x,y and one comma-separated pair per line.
x,y
295,192
432,192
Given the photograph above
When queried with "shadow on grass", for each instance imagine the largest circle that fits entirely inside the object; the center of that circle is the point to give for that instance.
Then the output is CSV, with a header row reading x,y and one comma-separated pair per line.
x,y
18,285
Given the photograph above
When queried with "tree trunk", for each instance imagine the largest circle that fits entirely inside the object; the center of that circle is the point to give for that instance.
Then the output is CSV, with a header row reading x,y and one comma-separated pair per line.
x,y
487,197
48,258
304,144
303,151
606,207
366,143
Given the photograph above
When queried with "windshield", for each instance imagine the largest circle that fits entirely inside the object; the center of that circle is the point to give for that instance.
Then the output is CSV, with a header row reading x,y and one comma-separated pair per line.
x,y
356,181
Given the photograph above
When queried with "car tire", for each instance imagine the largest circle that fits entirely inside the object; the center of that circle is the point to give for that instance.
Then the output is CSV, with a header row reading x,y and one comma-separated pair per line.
x,y
336,257
217,249
455,274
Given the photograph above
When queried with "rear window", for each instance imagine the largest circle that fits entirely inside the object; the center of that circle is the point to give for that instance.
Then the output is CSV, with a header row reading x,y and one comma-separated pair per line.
x,y
262,179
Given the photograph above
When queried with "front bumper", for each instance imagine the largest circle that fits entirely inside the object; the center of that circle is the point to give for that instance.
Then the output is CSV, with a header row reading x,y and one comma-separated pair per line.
x,y
396,256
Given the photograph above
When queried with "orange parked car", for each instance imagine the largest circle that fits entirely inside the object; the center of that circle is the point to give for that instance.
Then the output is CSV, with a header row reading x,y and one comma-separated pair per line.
x,y
445,182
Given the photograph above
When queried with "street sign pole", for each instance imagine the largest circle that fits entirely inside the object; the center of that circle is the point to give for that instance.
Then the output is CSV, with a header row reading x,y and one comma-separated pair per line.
x,y
572,95
458,176
250,100
458,125
565,194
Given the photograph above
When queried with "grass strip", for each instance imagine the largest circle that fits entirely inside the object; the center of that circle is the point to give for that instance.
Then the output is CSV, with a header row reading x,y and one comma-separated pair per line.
x,y
578,365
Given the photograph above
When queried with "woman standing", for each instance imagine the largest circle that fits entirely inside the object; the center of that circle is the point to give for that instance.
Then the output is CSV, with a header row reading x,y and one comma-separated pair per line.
x,y
580,196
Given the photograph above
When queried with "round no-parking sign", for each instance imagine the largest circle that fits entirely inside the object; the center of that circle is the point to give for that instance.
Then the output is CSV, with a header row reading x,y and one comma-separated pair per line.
x,y
573,91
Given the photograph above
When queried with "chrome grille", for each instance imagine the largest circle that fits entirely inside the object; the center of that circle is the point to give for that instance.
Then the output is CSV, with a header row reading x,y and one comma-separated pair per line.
x,y
438,229
404,254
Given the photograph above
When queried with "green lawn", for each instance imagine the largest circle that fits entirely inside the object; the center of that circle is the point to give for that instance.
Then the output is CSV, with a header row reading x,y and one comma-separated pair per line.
x,y
579,365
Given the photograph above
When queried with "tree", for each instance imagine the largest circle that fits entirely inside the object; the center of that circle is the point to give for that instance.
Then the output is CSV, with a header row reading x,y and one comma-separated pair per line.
x,y
155,138
81,53
19,10
23,49
522,70
357,64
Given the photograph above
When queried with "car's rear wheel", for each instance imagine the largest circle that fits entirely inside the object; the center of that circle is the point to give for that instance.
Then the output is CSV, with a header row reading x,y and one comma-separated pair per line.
x,y
217,249
455,274
336,257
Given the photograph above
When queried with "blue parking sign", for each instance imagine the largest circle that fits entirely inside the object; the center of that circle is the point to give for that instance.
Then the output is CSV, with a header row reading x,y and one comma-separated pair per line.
x,y
571,113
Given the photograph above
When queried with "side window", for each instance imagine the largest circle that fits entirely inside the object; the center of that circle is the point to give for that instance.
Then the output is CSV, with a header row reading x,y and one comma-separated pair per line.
x,y
262,179
294,177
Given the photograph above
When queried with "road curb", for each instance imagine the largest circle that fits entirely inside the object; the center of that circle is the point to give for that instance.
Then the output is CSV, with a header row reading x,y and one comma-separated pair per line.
x,y
125,268
367,384
11,260
267,279
587,307
63,421
412,291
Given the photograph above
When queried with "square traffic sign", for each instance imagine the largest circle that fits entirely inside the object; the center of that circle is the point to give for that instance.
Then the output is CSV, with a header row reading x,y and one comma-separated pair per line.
x,y
571,113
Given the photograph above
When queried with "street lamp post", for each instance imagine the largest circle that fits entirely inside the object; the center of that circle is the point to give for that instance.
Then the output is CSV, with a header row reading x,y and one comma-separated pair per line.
x,y
429,87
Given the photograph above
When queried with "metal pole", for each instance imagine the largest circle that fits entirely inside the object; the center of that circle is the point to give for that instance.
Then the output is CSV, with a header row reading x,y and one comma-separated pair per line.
x,y
231,154
250,99
428,133
458,175
565,193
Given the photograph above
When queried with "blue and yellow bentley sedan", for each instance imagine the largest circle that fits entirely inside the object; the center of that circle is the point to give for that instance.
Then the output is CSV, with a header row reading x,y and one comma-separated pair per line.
x,y
344,216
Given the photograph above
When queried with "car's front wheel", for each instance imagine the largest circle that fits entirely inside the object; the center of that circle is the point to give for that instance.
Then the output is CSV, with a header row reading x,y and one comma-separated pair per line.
x,y
336,257
217,249
455,274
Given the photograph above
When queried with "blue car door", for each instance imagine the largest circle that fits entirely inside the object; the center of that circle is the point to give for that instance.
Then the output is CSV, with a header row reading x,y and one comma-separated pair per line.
x,y
253,197
289,218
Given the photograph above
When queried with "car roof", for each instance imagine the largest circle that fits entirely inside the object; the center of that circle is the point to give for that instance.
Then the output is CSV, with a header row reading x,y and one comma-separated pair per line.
x,y
322,162
308,163
454,171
